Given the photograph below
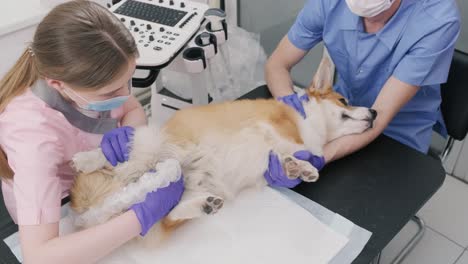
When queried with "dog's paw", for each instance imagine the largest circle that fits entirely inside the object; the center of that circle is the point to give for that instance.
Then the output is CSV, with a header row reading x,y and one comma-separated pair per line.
x,y
212,205
89,161
309,173
296,168
291,166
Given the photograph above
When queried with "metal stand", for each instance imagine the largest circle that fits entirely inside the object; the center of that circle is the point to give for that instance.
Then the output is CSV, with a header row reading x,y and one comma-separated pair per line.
x,y
413,242
376,260
448,147
410,245
195,61
421,225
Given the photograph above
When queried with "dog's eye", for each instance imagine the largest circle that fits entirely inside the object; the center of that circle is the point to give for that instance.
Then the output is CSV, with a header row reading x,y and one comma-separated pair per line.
x,y
343,101
344,116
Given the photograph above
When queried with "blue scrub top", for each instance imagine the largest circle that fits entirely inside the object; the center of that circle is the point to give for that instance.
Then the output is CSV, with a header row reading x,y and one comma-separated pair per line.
x,y
415,46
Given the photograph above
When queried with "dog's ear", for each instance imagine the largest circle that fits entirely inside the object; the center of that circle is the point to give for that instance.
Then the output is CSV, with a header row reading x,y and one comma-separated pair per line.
x,y
323,79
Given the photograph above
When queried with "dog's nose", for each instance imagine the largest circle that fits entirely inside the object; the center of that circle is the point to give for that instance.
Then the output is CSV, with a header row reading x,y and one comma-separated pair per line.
x,y
373,113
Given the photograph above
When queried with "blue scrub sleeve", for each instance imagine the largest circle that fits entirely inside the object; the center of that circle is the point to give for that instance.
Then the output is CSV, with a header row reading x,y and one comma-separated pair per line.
x,y
428,61
307,30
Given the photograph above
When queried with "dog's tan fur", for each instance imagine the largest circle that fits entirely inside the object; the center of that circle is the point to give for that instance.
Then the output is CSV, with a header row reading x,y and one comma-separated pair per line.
x,y
91,188
202,120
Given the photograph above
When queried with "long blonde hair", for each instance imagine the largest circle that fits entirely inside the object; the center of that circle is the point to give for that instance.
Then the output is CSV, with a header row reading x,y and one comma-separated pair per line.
x,y
80,43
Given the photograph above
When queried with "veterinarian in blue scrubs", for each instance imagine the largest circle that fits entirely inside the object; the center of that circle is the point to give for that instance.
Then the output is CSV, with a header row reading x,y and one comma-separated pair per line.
x,y
391,55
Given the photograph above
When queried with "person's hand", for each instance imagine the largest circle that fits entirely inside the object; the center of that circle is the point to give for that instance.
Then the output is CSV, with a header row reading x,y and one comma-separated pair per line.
x,y
295,102
317,161
158,204
276,176
114,144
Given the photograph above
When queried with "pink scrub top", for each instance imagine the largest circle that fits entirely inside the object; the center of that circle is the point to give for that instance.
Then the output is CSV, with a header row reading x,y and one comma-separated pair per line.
x,y
40,136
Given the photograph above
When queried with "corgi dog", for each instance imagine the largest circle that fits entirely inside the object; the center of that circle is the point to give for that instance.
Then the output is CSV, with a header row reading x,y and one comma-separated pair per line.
x,y
224,148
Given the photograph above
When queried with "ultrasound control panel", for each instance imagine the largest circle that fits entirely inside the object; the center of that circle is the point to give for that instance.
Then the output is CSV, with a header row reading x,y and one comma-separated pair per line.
x,y
160,27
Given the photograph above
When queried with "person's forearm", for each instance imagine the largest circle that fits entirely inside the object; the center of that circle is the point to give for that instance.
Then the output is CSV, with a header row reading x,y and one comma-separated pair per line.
x,y
346,145
279,65
393,96
278,79
134,118
90,245
134,114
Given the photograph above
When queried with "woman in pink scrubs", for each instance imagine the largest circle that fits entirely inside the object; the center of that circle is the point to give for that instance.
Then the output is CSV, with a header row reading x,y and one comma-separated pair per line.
x,y
70,92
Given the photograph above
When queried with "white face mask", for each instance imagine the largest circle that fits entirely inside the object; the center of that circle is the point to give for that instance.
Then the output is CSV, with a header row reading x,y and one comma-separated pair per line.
x,y
369,8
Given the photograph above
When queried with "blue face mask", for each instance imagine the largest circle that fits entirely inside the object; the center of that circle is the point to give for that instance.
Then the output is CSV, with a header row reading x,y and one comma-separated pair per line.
x,y
101,106
106,105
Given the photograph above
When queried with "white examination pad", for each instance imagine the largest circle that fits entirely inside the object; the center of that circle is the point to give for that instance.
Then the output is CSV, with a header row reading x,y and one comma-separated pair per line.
x,y
358,236
258,227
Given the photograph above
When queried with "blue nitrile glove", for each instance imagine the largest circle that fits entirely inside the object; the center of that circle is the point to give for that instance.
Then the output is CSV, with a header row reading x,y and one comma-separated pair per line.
x,y
295,102
114,144
158,204
275,175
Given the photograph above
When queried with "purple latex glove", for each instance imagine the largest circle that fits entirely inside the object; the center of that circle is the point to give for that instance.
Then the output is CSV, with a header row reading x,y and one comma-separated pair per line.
x,y
275,175
295,102
158,204
317,161
114,144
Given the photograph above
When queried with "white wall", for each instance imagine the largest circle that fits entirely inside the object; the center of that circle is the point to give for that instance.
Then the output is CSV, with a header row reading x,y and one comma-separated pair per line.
x,y
17,25
13,45
272,20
